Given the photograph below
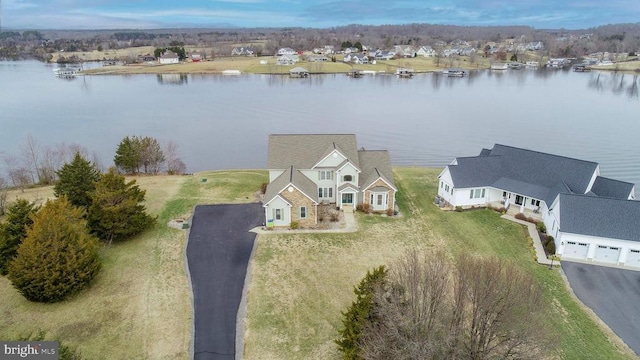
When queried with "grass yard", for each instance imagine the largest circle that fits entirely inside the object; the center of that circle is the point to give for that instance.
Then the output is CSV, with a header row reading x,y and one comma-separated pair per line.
x,y
301,282
138,306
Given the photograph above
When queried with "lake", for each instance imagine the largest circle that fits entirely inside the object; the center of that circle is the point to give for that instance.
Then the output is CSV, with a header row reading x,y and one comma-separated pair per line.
x,y
222,122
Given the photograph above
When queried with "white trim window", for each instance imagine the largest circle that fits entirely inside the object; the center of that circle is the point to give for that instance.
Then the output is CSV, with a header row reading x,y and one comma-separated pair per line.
x,y
303,212
277,214
325,175
325,193
476,193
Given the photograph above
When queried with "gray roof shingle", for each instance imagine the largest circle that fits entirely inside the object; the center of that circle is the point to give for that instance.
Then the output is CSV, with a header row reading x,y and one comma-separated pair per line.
x,y
375,164
303,151
530,173
294,177
612,188
598,216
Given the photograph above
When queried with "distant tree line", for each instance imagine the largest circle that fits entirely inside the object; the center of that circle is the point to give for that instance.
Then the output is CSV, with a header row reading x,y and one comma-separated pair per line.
x,y
40,44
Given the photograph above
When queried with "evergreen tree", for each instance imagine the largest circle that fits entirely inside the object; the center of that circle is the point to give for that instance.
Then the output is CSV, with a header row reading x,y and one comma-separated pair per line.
x,y
128,157
76,181
58,257
360,314
14,230
117,212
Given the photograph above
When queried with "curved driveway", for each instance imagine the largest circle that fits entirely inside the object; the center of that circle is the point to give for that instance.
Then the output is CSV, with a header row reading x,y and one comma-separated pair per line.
x,y
218,253
612,294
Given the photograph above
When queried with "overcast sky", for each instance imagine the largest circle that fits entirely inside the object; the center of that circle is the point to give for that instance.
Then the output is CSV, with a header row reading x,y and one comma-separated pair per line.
x,y
102,14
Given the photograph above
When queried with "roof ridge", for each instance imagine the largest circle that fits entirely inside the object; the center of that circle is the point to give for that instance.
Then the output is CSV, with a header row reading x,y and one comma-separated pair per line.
x,y
543,153
597,197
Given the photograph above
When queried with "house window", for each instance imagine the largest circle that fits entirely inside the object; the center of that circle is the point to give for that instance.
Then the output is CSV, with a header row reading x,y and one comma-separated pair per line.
x,y
441,184
446,188
504,194
380,200
277,214
476,193
347,178
303,212
325,192
535,202
451,191
325,175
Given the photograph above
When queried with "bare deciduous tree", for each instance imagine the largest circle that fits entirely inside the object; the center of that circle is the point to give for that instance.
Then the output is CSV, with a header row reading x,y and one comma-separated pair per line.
x,y
4,190
477,309
174,163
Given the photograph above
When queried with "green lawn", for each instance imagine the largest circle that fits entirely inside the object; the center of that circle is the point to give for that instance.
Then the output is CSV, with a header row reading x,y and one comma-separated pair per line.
x,y
302,282
138,307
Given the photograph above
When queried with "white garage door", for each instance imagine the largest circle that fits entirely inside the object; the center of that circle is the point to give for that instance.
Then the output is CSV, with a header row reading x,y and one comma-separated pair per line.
x,y
633,258
607,254
575,250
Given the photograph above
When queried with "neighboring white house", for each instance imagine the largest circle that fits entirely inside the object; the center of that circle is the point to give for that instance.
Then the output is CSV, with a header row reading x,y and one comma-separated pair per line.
x,y
307,170
426,51
287,60
535,45
242,51
356,59
590,217
286,51
169,57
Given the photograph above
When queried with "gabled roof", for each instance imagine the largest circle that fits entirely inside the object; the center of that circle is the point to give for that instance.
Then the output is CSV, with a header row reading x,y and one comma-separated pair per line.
x,y
303,151
600,216
530,173
291,177
612,188
375,164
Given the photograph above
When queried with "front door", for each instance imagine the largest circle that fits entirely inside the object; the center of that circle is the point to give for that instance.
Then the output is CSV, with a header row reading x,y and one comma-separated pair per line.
x,y
519,199
347,198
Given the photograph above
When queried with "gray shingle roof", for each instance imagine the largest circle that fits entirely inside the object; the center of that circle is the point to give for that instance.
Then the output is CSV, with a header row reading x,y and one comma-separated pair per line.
x,y
375,164
612,188
598,216
294,177
530,173
303,151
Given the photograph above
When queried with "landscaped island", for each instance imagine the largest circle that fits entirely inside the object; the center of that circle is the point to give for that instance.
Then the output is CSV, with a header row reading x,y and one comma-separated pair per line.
x,y
138,306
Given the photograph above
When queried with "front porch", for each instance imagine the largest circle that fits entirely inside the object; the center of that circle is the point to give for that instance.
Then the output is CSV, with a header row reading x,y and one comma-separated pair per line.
x,y
514,209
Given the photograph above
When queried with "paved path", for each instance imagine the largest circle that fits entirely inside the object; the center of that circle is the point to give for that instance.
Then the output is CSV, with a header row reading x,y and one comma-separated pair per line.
x,y
537,244
612,294
218,253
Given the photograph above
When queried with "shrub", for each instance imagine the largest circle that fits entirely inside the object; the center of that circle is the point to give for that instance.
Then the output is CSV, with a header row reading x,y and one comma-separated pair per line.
x,y
389,212
551,247
365,208
263,187
459,208
58,257
521,216
294,225
335,217
541,227
14,230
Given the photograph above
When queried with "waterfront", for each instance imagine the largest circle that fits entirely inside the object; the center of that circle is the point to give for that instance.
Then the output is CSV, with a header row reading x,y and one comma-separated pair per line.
x,y
222,122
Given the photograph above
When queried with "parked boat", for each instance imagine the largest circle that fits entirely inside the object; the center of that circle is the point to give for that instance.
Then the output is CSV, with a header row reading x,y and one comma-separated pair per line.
x,y
66,72
515,65
532,64
404,72
581,68
455,73
354,73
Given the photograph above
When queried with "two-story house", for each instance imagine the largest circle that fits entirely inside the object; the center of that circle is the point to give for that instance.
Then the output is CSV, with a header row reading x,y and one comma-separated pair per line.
x,y
310,169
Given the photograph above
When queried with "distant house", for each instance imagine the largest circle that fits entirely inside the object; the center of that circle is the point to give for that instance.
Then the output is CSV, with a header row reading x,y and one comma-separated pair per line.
x,y
242,51
356,59
286,51
384,55
169,57
404,50
351,50
287,60
535,45
590,217
308,170
196,57
426,51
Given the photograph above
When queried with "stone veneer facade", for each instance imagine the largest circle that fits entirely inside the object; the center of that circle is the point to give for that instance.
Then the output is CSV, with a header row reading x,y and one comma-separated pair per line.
x,y
380,182
299,199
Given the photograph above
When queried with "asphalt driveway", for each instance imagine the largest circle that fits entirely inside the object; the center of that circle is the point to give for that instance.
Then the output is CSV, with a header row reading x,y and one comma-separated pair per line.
x,y
613,294
218,253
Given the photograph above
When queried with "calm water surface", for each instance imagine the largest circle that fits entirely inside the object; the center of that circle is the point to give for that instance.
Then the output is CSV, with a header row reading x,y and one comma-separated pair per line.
x,y
222,122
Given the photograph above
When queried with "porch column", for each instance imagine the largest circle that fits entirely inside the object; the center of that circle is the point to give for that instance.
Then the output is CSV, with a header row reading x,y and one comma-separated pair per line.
x,y
524,201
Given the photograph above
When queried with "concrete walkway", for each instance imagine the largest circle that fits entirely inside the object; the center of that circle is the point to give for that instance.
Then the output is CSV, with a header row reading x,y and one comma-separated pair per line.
x,y
541,257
